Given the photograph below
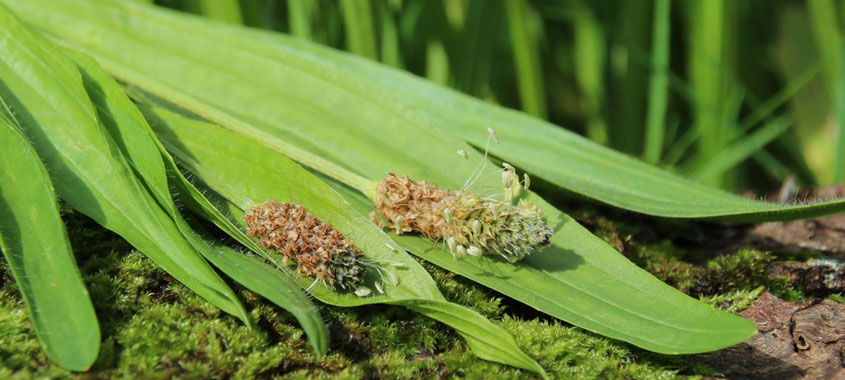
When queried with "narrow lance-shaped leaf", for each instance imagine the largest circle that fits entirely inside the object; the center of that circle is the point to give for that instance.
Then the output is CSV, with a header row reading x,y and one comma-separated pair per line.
x,y
144,152
580,279
36,248
541,148
46,92
252,174
372,132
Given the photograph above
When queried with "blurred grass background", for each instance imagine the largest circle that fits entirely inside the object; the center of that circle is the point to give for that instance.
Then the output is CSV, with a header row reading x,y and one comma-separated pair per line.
x,y
741,95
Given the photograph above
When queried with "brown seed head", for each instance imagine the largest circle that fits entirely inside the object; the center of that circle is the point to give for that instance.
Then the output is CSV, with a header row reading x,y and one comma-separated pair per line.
x,y
317,248
469,224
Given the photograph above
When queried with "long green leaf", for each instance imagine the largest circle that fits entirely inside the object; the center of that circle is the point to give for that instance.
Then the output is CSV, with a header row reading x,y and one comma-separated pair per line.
x,y
545,150
526,52
47,94
36,247
822,15
360,30
590,45
373,132
658,91
222,10
541,148
299,17
738,151
251,174
139,144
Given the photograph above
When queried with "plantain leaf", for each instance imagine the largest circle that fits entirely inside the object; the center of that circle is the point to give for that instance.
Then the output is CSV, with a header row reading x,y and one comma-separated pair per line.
x,y
542,149
144,152
282,94
46,92
36,247
251,174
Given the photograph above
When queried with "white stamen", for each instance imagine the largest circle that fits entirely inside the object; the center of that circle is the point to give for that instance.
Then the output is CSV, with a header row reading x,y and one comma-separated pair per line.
x,y
493,135
362,291
450,241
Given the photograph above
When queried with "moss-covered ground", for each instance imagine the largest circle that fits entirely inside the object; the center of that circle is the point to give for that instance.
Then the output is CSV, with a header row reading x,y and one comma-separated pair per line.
x,y
154,328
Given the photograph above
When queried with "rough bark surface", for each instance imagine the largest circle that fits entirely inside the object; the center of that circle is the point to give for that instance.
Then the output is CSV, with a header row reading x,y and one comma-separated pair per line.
x,y
826,235
795,341
818,277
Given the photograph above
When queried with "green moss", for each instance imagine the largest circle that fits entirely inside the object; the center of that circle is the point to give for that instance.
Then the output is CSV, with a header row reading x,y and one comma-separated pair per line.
x,y
571,353
735,301
732,275
155,328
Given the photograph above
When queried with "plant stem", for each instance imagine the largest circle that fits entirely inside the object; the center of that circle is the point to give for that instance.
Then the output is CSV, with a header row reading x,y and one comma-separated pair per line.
x,y
360,30
659,83
822,14
221,10
299,18
527,58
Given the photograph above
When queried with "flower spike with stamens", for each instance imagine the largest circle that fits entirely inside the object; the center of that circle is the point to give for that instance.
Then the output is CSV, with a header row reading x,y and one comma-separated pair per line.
x,y
469,224
317,248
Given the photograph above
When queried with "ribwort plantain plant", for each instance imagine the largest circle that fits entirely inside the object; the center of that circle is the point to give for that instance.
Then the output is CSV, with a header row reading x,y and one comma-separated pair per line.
x,y
355,121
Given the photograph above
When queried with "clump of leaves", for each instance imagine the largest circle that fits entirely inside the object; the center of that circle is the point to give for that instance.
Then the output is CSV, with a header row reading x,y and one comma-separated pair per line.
x,y
373,121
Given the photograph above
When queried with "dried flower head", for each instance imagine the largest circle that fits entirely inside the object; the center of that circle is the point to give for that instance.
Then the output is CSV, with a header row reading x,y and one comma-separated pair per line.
x,y
469,224
317,248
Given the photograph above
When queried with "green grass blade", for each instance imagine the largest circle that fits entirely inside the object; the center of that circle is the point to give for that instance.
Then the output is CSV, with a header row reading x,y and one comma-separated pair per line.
x,y
139,144
525,45
391,54
739,151
299,18
767,108
360,30
628,77
252,174
221,10
590,46
50,101
36,247
579,279
822,14
658,92
473,56
705,72
436,62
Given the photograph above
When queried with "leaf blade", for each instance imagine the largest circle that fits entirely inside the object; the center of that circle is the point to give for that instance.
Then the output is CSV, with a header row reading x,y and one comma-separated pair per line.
x,y
373,131
46,91
243,183
145,153
541,148
42,263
